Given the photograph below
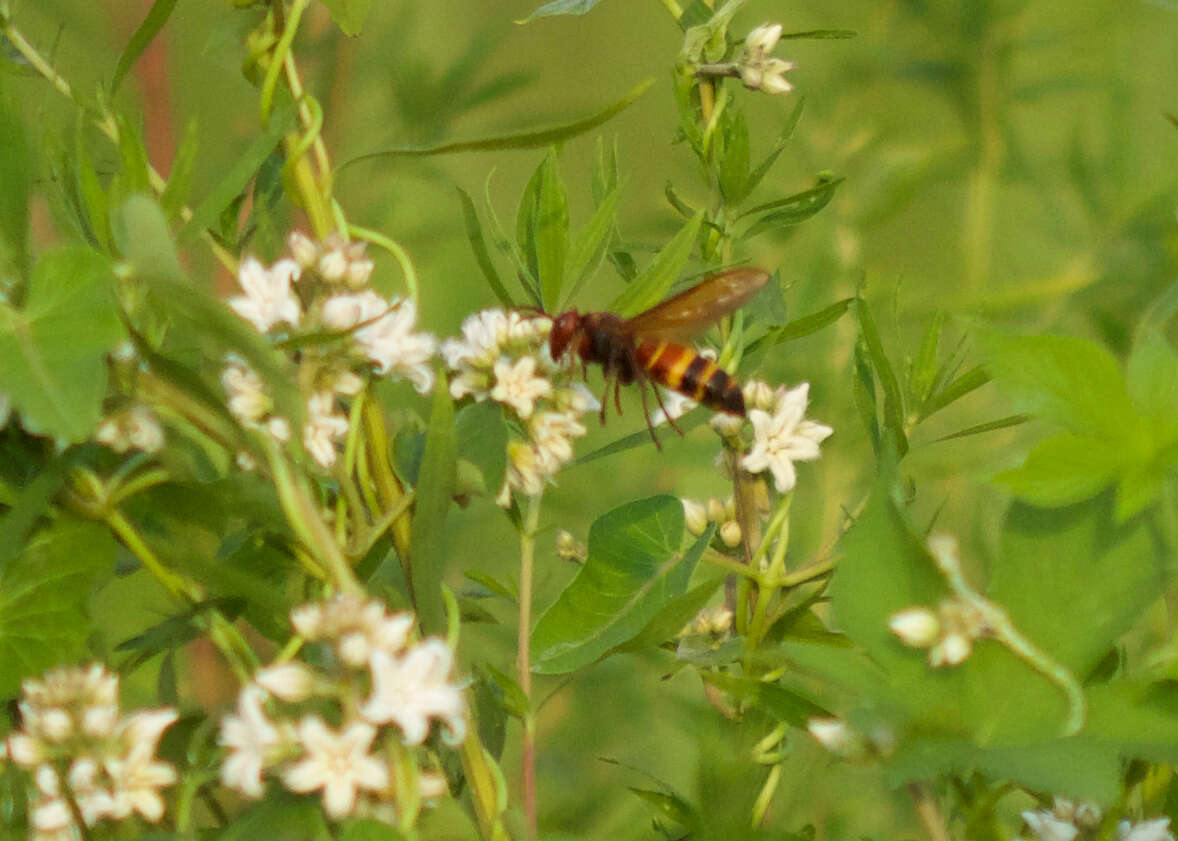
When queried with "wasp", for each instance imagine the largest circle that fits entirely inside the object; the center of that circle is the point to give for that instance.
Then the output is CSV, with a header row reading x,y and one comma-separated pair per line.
x,y
643,348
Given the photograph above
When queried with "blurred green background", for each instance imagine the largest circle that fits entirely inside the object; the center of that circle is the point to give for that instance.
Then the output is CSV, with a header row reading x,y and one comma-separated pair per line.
x,y
1006,161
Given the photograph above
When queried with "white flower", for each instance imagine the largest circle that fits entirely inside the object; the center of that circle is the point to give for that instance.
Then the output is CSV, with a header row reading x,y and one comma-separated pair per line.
x,y
1047,827
252,740
248,401
392,343
412,688
1157,829
518,386
338,763
759,71
783,437
304,249
952,650
917,627
356,626
343,312
833,734
552,434
695,516
323,428
482,335
268,298
292,682
764,38
524,472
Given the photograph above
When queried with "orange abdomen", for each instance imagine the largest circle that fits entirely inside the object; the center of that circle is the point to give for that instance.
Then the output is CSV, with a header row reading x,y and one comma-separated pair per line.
x,y
684,370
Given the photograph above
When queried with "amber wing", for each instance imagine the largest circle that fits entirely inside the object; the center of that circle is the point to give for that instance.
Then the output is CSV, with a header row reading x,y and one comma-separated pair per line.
x,y
695,308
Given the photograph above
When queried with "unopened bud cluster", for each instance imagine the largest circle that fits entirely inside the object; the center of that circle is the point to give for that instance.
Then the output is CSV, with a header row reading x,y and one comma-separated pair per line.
x,y
82,751
334,727
133,428
698,516
322,288
503,356
948,633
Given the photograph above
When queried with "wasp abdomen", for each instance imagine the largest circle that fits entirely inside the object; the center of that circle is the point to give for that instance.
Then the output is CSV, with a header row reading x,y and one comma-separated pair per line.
x,y
686,371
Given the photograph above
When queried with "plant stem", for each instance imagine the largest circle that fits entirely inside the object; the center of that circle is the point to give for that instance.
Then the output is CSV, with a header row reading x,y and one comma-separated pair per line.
x,y
523,663
928,812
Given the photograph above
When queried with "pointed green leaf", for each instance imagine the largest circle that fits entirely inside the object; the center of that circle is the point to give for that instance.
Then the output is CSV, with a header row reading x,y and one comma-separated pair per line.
x,y
542,228
54,348
893,405
434,491
482,440
588,248
179,184
1152,380
560,7
478,244
731,153
239,175
44,595
156,17
635,567
533,139
653,284
348,15
792,210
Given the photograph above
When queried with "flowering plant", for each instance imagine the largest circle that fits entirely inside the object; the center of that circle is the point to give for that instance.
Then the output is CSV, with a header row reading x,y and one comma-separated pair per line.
x,y
331,529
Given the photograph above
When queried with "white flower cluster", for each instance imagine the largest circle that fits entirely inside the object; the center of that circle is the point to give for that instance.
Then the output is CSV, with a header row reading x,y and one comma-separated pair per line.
x,y
135,428
377,675
78,745
324,288
759,70
504,356
1067,820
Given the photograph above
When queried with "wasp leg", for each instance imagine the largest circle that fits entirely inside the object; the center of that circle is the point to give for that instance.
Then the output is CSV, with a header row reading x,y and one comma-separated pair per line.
x,y
646,415
618,396
604,401
667,414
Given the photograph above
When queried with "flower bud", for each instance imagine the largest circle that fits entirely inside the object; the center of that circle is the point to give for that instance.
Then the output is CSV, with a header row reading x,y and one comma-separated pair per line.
x,y
730,534
917,627
303,249
568,548
833,734
764,38
695,516
951,651
290,682
715,510
333,265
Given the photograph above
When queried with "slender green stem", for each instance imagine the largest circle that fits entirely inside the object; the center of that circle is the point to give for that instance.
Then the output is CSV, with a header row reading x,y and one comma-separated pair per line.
x,y
527,558
172,582
674,8
391,246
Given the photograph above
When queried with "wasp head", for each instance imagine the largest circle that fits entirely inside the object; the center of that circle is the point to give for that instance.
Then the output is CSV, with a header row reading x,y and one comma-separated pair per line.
x,y
564,328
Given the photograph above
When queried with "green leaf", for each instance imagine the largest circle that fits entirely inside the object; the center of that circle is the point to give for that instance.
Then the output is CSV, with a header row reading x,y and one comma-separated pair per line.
x,y
652,285
179,185
1073,580
587,250
156,17
677,612
1135,717
542,228
435,488
16,173
781,703
792,210
533,139
509,250
54,348
32,503
95,204
1151,377
239,175
481,436
368,829
43,599
670,807
731,152
989,426
821,34
808,324
1064,470
893,405
634,569
762,169
971,380
280,815
1077,768
348,15
923,371
478,244
1068,381
560,7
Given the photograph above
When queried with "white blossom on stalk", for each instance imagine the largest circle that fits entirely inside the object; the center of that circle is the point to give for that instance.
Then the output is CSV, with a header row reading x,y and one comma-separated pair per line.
x,y
1047,827
136,775
917,627
248,401
783,437
253,741
268,298
355,626
760,71
337,762
518,386
292,682
411,689
323,428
